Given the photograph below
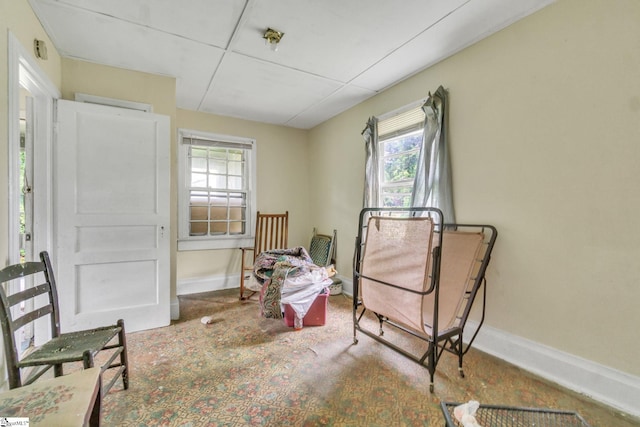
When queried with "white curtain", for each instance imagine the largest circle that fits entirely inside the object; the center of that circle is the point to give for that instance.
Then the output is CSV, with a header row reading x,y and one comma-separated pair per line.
x,y
371,167
432,185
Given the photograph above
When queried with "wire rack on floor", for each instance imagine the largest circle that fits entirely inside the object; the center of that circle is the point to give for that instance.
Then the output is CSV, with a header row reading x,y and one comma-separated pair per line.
x,y
509,416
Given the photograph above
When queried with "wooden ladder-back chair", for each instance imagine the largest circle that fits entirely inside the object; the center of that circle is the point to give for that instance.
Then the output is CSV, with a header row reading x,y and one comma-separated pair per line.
x,y
21,307
272,232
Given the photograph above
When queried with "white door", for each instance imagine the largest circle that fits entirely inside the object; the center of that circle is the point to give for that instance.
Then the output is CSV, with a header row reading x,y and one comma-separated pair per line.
x,y
111,215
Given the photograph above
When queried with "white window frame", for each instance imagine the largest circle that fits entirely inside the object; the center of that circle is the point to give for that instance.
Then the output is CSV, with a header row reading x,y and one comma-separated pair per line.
x,y
187,242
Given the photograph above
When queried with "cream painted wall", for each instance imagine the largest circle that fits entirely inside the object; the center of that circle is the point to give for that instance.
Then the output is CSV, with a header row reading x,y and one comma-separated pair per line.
x,y
282,181
101,80
544,134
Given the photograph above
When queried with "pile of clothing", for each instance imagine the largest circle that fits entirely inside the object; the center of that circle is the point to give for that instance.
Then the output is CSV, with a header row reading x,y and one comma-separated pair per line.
x,y
289,276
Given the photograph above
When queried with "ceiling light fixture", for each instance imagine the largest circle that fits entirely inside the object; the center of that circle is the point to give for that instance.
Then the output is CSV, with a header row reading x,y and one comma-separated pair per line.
x,y
272,38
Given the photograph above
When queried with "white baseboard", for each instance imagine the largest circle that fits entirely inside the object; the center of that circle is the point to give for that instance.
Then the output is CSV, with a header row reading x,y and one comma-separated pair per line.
x,y
207,284
217,283
602,383
175,309
347,285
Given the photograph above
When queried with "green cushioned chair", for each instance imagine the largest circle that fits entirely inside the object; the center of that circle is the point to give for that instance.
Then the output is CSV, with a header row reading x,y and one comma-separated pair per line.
x,y
322,250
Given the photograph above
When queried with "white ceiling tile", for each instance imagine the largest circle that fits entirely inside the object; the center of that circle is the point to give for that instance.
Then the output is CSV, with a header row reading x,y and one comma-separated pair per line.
x,y
335,38
121,44
334,104
210,22
464,27
106,40
266,90
334,53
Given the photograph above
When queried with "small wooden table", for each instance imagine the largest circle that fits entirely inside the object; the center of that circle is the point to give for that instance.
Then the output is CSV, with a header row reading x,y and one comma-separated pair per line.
x,y
69,400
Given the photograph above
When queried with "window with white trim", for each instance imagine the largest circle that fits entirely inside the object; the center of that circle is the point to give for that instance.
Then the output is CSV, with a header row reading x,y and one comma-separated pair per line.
x,y
216,190
399,140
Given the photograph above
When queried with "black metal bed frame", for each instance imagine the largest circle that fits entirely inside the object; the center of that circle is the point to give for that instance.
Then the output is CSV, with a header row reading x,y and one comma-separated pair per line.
x,y
450,340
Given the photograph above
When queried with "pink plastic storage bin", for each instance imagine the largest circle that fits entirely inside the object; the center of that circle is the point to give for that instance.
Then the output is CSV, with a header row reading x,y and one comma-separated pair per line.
x,y
316,316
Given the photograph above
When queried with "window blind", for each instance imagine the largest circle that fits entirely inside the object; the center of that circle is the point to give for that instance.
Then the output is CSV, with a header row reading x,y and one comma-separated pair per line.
x,y
409,120
214,143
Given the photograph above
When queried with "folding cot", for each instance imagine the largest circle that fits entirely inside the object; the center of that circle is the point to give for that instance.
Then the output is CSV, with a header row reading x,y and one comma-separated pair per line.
x,y
420,276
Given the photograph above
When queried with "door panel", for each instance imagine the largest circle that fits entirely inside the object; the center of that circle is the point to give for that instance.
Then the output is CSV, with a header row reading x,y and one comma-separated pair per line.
x,y
111,210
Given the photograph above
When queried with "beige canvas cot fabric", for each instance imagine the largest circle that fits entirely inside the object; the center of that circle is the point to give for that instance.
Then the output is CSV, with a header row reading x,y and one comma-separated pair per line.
x,y
399,251
460,258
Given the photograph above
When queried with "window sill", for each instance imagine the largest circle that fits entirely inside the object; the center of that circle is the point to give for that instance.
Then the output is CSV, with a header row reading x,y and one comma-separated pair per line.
x,y
221,243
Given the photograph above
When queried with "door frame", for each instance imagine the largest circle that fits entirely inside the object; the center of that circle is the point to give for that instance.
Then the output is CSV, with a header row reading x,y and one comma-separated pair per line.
x,y
23,70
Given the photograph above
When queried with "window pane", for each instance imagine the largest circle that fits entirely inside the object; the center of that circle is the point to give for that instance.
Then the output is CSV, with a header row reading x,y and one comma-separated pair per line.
x,y
198,152
238,199
198,228
403,143
217,181
218,198
218,213
198,198
235,168
396,201
217,166
236,213
218,153
198,180
198,213
218,228
400,167
237,227
397,196
198,165
235,183
236,155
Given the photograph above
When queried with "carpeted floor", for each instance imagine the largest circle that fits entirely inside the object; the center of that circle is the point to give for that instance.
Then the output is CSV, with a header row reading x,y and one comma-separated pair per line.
x,y
245,370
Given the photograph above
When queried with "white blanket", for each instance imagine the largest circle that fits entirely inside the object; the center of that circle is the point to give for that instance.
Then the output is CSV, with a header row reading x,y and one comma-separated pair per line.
x,y
301,291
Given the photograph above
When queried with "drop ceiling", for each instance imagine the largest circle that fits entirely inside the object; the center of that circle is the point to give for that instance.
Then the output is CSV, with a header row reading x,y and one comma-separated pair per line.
x,y
334,53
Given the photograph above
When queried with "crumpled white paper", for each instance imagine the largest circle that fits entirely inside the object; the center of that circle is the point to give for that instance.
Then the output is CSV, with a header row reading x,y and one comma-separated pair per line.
x,y
466,413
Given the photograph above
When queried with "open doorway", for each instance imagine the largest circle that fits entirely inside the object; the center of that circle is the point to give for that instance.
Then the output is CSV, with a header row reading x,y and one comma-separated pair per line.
x,y
25,205
25,177
30,122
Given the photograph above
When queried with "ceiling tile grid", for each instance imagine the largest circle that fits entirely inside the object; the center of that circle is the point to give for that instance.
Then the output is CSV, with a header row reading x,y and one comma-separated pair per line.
x,y
334,54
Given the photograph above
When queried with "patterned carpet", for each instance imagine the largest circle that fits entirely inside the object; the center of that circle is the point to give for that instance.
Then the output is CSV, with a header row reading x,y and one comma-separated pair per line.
x,y
245,370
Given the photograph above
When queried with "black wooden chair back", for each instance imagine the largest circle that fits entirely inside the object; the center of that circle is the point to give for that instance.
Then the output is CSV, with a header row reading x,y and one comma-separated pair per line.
x,y
22,306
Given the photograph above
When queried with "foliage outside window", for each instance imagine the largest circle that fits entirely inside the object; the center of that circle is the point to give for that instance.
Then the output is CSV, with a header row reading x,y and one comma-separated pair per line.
x,y
400,140
216,190
23,191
